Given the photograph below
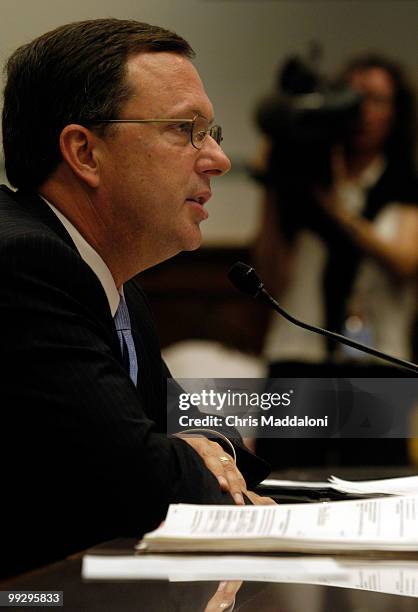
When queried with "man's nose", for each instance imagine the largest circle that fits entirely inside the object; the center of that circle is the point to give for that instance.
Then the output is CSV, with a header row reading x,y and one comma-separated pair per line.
x,y
212,160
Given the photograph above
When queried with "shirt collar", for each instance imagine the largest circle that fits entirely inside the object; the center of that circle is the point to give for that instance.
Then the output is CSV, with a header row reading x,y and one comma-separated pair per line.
x,y
92,259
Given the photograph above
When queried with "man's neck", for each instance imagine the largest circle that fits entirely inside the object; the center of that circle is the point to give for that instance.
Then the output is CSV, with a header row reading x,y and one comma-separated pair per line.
x,y
91,258
79,208
88,211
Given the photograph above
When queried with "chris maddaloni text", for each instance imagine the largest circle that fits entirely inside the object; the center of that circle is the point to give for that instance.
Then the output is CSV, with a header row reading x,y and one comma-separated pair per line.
x,y
210,420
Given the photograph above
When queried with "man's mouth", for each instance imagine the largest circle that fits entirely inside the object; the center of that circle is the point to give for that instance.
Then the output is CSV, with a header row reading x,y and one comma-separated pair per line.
x,y
198,201
200,198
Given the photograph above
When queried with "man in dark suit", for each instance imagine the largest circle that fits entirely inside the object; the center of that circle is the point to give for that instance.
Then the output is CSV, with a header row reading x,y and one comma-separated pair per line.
x,y
108,139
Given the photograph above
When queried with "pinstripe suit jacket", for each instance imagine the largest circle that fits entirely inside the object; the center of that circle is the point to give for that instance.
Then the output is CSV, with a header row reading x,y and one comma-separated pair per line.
x,y
85,453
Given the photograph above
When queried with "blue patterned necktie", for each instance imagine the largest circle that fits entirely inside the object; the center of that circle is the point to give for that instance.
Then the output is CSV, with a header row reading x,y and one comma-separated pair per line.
x,y
127,346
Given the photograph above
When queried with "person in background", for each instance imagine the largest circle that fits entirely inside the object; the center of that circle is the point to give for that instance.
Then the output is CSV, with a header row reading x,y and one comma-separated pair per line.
x,y
348,261
109,140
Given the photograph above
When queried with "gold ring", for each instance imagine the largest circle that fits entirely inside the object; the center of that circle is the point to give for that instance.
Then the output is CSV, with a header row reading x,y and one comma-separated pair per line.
x,y
224,459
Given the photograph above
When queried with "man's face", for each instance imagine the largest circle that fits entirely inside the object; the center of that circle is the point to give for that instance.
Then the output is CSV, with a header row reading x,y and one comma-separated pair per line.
x,y
152,175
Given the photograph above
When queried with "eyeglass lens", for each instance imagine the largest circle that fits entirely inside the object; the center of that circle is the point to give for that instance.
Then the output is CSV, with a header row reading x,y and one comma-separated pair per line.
x,y
201,129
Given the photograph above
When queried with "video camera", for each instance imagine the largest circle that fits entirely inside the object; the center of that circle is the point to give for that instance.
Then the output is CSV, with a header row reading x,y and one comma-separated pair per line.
x,y
305,119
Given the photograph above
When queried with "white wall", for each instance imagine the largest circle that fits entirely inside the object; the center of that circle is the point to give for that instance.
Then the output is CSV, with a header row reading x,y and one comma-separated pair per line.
x,y
239,44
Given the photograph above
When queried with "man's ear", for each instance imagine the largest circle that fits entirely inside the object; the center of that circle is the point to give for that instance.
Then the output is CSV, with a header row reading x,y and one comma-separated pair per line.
x,y
79,149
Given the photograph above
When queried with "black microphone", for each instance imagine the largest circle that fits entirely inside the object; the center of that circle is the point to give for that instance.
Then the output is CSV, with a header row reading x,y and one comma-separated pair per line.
x,y
246,279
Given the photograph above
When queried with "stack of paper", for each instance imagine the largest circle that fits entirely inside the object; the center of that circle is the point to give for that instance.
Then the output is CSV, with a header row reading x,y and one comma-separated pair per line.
x,y
385,523
389,486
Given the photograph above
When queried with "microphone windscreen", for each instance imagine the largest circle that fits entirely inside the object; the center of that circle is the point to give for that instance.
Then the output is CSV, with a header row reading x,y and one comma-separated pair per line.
x,y
245,278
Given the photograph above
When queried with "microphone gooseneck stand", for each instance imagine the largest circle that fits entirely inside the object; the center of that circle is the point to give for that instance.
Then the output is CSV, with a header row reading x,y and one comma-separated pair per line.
x,y
246,279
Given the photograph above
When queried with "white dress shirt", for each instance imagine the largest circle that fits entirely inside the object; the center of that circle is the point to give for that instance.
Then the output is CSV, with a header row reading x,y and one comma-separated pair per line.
x,y
92,259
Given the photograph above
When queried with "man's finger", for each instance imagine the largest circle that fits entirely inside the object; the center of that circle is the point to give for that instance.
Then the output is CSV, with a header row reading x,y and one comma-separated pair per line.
x,y
236,482
258,500
228,475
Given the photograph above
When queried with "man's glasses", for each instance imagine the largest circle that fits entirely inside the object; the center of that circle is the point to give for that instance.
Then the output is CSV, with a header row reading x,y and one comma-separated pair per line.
x,y
197,128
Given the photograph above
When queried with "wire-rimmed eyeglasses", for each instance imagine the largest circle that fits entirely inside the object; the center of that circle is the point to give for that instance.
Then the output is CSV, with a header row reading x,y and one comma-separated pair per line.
x,y
198,127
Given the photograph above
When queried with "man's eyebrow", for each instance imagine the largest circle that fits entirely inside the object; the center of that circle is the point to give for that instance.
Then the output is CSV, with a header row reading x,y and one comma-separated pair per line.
x,y
197,112
193,112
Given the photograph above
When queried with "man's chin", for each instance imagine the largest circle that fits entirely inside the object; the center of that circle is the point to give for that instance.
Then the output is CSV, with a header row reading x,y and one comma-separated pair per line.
x,y
193,246
194,240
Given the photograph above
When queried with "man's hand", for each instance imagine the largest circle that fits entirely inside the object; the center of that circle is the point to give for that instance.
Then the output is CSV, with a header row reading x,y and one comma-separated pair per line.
x,y
223,467
258,500
220,464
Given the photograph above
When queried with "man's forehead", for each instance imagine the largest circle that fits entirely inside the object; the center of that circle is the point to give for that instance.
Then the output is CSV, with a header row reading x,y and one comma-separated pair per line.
x,y
167,81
